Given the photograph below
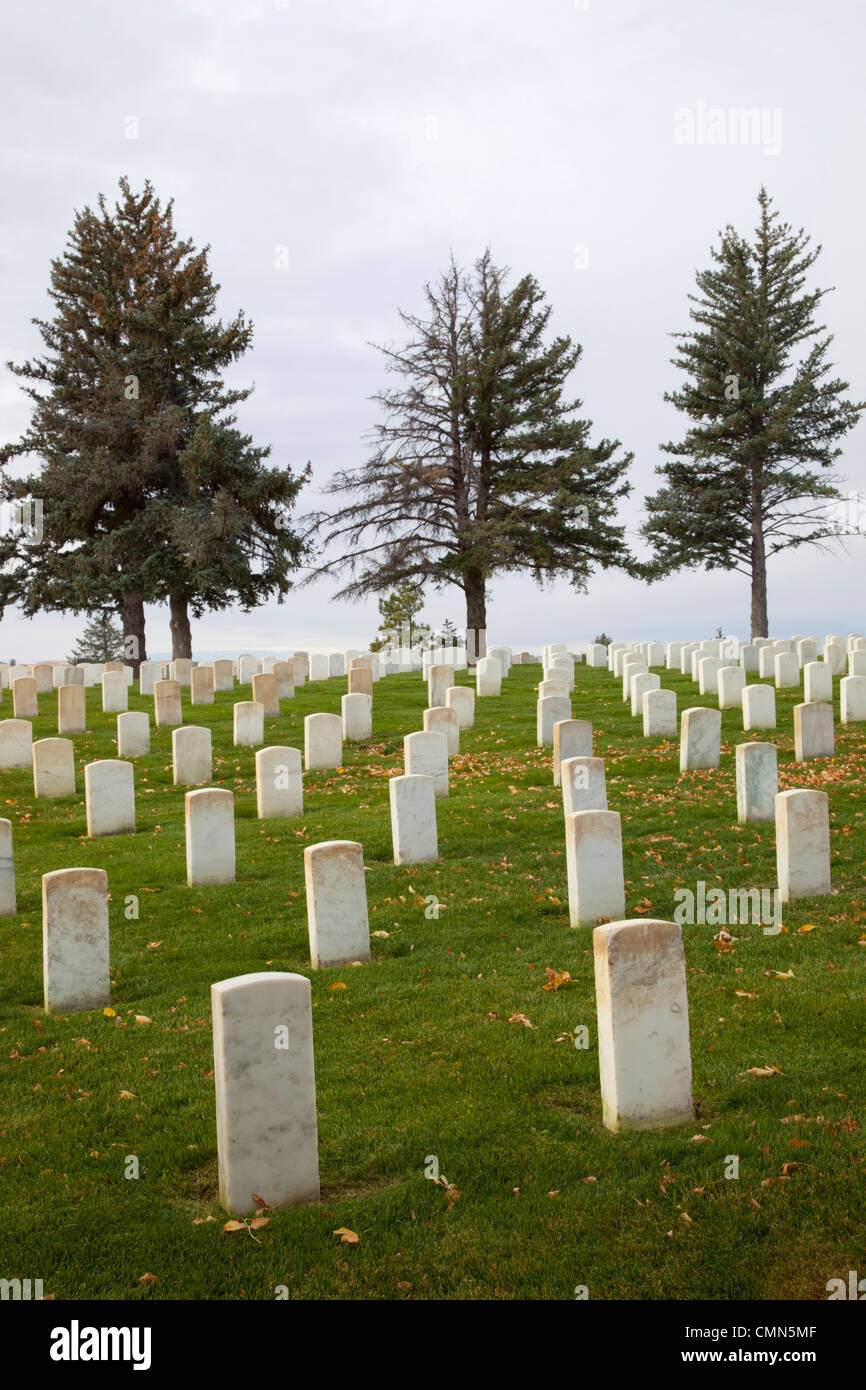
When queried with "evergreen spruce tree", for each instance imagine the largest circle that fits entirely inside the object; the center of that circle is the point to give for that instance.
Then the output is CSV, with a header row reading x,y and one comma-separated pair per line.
x,y
150,492
101,640
481,465
751,476
398,611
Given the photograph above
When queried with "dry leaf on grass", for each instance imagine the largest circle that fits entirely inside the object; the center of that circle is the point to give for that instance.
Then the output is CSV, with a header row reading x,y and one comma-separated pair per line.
x,y
521,1018
347,1237
555,978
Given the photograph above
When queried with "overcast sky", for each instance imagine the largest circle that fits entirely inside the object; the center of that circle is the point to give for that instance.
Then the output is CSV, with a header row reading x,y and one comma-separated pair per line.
x,y
370,138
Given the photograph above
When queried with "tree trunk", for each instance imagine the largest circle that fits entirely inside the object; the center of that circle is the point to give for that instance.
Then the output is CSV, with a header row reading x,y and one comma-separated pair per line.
x,y
181,633
759,572
134,639
476,616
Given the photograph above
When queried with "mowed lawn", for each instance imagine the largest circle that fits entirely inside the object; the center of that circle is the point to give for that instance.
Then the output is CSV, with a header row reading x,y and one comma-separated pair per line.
x,y
416,1057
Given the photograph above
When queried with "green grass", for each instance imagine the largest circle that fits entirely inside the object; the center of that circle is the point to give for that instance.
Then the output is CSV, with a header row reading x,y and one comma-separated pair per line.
x,y
415,1056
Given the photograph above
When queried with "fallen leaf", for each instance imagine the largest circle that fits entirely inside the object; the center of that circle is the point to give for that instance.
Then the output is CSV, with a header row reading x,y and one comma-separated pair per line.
x,y
110,1013
521,1018
147,1279
556,978
347,1237
339,985
762,1071
807,926
235,1226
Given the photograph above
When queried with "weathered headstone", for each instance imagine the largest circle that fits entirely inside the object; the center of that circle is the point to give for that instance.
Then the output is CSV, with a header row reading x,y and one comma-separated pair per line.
x,y
700,738
191,755
593,849
336,903
659,714
75,957
323,741
284,671
223,676
550,710
643,1025
115,693
731,682
461,698
759,707
266,694
149,672
167,709
852,699
572,738
708,674
426,755
133,734
54,767
248,723
109,794
813,732
802,844
360,681
181,671
43,677
357,717
757,781
439,678
279,782
71,709
210,836
25,704
443,720
8,905
413,819
16,743
787,671
265,1092
583,784
488,677
640,684
201,685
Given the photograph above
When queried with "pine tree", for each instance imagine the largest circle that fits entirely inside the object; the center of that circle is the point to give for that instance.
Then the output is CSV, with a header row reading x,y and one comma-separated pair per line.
x,y
101,640
481,466
398,611
749,480
150,492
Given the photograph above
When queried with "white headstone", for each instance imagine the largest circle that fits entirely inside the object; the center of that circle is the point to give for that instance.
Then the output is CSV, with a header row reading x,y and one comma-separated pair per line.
x,y
167,709
54,767
109,794
279,782
700,738
802,844
757,781
731,681
583,784
75,962
210,836
16,743
223,676
426,755
201,685
461,698
787,671
593,850
249,723
133,734
759,707
550,710
852,699
442,720
336,903
71,709
572,738
25,703
488,677
643,1025
265,693
813,732
8,906
413,819
659,714
265,1092
323,741
191,755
